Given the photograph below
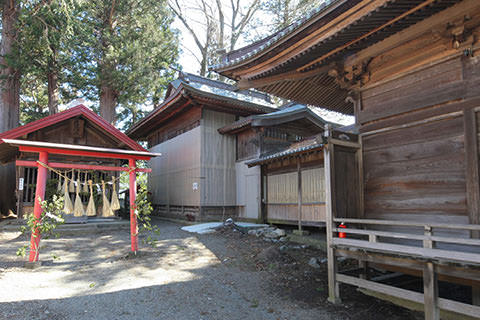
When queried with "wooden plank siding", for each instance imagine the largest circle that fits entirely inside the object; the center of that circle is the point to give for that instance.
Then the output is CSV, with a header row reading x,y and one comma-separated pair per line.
x,y
248,144
311,213
177,170
435,85
346,183
417,133
282,196
175,126
416,170
421,145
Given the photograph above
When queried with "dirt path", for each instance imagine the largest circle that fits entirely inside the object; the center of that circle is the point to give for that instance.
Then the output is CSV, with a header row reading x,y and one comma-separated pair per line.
x,y
225,275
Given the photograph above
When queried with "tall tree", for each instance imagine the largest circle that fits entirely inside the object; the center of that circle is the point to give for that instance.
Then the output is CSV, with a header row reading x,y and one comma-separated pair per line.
x,y
9,70
214,26
123,52
46,28
9,94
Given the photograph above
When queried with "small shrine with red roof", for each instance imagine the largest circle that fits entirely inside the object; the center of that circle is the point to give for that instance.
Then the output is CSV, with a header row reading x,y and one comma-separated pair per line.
x,y
74,153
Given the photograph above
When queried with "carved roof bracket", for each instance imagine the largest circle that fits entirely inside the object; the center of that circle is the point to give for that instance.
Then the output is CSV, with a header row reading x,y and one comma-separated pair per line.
x,y
352,77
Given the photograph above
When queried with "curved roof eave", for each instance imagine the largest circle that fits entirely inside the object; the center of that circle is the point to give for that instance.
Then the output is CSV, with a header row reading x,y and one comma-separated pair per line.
x,y
79,110
279,38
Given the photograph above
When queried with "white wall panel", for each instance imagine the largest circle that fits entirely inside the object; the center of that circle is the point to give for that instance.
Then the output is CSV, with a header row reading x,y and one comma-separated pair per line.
x,y
173,174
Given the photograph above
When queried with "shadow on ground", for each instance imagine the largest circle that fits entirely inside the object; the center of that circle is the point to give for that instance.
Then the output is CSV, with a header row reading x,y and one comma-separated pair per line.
x,y
225,275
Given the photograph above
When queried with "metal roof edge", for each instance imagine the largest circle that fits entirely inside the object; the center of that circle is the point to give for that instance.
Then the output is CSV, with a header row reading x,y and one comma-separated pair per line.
x,y
314,14
283,154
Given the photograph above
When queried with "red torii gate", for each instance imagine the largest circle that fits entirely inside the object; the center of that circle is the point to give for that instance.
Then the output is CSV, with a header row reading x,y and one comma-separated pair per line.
x,y
46,148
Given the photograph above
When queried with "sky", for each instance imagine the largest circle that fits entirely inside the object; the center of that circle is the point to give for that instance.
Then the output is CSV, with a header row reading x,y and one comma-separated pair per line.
x,y
188,47
190,64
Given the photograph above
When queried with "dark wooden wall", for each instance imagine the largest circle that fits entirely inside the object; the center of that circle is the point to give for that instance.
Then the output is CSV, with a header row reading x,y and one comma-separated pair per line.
x,y
415,170
75,131
346,183
420,143
173,127
248,144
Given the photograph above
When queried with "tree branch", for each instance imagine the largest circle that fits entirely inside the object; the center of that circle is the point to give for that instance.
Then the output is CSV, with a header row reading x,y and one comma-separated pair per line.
x,y
180,16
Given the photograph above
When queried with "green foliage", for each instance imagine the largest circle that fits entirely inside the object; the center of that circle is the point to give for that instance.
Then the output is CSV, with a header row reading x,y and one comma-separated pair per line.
x,y
33,98
127,46
46,29
46,224
51,189
144,221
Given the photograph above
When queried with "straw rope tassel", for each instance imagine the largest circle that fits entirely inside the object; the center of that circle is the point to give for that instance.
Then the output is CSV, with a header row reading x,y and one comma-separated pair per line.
x,y
78,208
71,187
67,206
106,210
115,204
65,186
59,186
91,202
85,185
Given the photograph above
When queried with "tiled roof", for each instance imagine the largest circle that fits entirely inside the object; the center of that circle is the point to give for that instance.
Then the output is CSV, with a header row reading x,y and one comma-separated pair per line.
x,y
316,142
189,86
275,38
293,109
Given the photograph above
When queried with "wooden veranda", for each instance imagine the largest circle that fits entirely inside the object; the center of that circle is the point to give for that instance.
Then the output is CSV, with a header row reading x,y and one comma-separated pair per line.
x,y
423,249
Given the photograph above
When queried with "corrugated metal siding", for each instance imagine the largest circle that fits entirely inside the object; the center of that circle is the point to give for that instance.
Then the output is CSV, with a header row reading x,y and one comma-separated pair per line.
x,y
283,188
218,186
313,213
173,174
313,185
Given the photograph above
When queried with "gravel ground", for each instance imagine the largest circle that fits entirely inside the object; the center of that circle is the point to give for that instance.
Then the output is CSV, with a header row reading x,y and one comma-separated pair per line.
x,y
225,275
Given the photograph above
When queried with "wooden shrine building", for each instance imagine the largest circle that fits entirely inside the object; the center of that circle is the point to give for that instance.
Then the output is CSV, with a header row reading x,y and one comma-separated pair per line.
x,y
195,180
75,139
409,71
282,150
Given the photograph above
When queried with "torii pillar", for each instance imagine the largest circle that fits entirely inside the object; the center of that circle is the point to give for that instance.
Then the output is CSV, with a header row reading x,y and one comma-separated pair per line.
x,y
37,209
133,205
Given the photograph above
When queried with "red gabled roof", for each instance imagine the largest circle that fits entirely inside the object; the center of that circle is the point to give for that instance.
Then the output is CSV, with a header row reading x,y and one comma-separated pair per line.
x,y
79,110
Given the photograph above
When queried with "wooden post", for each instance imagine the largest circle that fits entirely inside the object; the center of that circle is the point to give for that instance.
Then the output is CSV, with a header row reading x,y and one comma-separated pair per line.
x,y
476,296
299,180
430,292
430,283
263,193
133,206
361,193
363,265
37,209
428,232
333,286
20,175
472,169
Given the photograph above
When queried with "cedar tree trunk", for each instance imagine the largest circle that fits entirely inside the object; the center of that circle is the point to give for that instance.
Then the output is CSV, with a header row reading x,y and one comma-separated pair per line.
x,y
108,102
9,98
